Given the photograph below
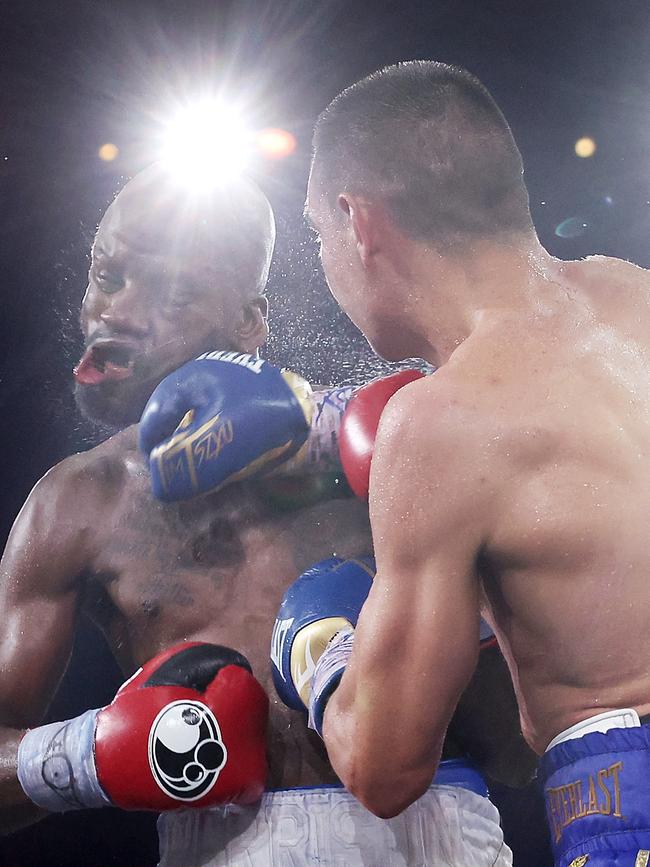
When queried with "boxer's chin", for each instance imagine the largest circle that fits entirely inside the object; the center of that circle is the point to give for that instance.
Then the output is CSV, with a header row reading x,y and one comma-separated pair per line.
x,y
110,403
392,341
387,348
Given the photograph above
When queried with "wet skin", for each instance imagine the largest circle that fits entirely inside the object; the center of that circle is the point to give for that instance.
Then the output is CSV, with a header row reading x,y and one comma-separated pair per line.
x,y
92,537
534,433
213,569
540,453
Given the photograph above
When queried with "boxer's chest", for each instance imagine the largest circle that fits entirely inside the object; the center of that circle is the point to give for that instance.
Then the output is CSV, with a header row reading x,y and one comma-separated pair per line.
x,y
167,572
215,569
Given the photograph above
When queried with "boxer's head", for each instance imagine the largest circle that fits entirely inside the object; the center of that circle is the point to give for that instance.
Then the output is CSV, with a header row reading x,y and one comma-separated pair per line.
x,y
173,274
414,163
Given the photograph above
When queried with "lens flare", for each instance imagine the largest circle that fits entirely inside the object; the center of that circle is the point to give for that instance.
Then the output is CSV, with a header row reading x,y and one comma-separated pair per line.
x,y
572,227
206,142
276,143
585,147
108,152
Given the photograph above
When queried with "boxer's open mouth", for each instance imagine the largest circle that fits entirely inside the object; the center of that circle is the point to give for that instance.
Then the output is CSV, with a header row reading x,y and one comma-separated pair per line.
x,y
106,360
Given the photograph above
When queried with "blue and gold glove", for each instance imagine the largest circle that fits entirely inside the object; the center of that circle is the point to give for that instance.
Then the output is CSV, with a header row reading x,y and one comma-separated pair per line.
x,y
223,417
313,633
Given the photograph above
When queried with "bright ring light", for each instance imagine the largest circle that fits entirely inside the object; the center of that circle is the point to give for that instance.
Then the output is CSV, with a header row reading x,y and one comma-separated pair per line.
x,y
205,143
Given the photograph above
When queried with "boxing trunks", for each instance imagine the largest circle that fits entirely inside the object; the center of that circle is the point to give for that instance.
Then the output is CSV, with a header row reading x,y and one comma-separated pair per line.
x,y
452,825
596,779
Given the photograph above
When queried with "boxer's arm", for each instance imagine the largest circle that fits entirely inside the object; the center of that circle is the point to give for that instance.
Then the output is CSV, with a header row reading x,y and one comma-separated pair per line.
x,y
39,596
417,638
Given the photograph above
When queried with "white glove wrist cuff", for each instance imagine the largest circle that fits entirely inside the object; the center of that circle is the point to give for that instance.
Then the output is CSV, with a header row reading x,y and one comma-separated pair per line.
x,y
320,454
327,674
56,765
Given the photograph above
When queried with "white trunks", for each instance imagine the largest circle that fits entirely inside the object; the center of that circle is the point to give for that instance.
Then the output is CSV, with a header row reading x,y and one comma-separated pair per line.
x,y
448,826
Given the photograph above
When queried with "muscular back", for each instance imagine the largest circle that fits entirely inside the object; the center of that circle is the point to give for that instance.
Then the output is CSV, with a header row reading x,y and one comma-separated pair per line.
x,y
559,406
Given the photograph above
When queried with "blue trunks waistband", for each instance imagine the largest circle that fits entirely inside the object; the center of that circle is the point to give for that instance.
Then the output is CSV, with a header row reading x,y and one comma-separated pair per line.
x,y
460,772
451,772
597,793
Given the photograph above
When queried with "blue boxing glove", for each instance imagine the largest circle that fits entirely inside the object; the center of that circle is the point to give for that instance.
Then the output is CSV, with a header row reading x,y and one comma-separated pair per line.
x,y
222,417
313,632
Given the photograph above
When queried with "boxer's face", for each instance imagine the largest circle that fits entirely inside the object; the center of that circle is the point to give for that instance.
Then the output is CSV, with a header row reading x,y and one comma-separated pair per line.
x,y
359,285
149,307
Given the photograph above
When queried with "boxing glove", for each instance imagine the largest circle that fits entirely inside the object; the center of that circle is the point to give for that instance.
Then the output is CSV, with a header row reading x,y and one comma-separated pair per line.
x,y
359,426
222,417
187,730
342,436
321,605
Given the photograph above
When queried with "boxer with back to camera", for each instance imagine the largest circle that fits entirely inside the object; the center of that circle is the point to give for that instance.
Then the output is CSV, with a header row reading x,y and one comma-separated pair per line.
x,y
514,482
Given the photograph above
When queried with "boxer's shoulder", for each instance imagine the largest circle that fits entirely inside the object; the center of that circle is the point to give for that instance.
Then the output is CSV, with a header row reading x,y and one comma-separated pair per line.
x,y
443,437
74,490
615,288
54,537
446,406
98,471
607,266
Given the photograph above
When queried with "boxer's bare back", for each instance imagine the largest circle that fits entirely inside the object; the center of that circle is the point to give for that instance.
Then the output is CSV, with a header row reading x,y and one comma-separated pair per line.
x,y
557,404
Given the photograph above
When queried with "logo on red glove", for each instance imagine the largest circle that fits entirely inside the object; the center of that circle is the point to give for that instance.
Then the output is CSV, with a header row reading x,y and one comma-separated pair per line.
x,y
186,751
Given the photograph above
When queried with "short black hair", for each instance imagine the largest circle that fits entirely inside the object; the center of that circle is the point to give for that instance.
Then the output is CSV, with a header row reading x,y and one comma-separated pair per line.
x,y
429,141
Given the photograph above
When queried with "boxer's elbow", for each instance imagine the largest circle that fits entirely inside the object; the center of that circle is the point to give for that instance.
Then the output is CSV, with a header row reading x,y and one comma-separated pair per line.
x,y
385,779
388,798
383,791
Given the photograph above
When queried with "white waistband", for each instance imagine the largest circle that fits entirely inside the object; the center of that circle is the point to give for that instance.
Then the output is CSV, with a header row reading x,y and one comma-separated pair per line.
x,y
626,718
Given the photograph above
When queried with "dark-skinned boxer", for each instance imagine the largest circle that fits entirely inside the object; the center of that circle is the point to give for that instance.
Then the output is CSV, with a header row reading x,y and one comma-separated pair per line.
x,y
171,277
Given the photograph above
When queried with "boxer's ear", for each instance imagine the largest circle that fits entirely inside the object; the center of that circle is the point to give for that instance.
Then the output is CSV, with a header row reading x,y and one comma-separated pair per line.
x,y
252,329
364,220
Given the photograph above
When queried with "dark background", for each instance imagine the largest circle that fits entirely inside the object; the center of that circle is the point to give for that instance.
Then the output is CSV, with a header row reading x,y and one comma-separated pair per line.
x,y
74,75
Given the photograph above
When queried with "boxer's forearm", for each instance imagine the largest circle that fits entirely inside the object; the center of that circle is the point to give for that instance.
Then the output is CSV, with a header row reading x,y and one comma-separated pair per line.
x,y
339,729
385,723
343,426
16,810
362,750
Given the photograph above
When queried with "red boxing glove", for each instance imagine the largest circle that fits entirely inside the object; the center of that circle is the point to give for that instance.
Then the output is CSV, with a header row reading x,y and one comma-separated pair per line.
x,y
359,426
189,729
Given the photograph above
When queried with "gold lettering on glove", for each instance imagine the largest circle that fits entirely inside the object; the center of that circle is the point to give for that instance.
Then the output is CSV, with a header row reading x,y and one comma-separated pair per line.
x,y
301,391
581,798
307,648
209,446
186,421
184,451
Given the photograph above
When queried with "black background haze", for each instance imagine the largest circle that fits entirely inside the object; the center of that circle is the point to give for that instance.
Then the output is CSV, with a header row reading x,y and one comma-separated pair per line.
x,y
74,75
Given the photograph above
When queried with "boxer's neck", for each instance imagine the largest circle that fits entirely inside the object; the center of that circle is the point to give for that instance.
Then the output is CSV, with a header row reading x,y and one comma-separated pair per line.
x,y
446,297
